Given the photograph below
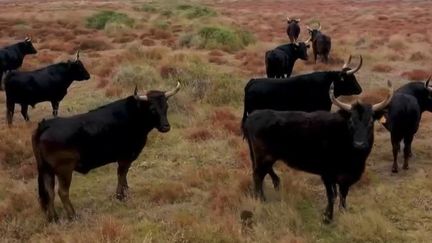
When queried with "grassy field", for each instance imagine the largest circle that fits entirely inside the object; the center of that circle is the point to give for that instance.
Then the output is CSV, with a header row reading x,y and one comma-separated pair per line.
x,y
191,184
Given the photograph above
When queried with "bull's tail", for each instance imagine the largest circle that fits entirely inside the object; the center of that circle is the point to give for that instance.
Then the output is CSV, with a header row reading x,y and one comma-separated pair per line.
x,y
45,172
3,77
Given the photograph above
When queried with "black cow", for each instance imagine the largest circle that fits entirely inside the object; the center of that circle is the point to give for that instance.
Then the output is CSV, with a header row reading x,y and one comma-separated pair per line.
x,y
280,61
116,132
332,145
46,84
293,29
321,43
403,117
308,92
12,57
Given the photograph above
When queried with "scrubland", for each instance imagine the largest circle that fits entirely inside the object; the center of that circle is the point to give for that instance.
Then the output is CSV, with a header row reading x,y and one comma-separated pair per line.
x,y
191,184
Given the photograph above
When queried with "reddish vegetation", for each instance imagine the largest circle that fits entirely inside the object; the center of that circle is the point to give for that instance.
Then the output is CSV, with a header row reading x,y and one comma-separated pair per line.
x,y
416,75
217,60
382,68
59,45
94,44
168,70
113,91
102,83
222,199
417,56
224,118
159,34
199,134
148,42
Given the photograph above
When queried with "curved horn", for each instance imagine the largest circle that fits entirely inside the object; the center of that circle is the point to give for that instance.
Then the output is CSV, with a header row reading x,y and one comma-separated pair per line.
x,y
319,27
387,100
28,38
308,40
77,55
136,90
427,83
347,62
298,20
143,97
309,28
336,102
174,91
357,68
288,19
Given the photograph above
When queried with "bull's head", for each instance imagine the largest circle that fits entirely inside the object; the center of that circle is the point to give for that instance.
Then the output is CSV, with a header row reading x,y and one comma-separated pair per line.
x,y
428,95
301,49
347,83
157,106
314,32
290,20
361,117
27,46
77,70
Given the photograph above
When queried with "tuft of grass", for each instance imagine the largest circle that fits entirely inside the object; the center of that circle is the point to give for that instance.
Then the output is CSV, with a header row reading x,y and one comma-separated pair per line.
x,y
218,37
142,75
195,11
102,18
382,68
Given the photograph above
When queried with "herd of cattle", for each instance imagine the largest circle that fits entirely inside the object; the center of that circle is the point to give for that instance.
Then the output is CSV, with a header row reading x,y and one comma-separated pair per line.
x,y
285,118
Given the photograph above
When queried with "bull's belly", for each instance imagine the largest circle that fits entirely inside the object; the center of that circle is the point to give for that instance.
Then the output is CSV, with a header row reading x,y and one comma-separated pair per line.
x,y
84,167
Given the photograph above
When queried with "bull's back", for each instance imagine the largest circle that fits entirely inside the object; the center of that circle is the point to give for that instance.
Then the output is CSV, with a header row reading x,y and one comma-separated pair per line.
x,y
404,114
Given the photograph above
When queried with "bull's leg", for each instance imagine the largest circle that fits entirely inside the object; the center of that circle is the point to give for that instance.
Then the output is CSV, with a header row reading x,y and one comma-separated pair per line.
x,y
407,150
315,55
55,106
24,112
275,179
64,179
1,80
258,177
49,182
122,185
10,107
343,188
328,214
396,148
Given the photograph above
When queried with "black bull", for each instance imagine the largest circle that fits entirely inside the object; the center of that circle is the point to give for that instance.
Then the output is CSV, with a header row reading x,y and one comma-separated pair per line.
x,y
116,132
332,145
404,115
46,84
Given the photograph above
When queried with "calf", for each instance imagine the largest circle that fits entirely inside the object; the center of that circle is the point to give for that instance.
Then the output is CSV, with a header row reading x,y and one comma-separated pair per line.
x,y
293,29
280,61
321,43
12,57
404,115
334,146
46,84
116,132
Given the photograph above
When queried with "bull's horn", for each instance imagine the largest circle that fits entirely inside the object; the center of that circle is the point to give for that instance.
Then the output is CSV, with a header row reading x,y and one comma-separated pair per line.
x,y
288,19
174,91
336,102
77,55
427,83
384,103
308,40
319,27
357,68
298,20
347,62
28,38
309,28
136,90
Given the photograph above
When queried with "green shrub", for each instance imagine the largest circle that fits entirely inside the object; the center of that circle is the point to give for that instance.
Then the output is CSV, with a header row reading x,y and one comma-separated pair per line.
x,y
147,7
142,75
101,19
225,38
193,12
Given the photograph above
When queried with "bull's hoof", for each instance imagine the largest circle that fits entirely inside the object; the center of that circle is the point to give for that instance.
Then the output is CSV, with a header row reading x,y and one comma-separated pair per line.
x,y
327,219
405,167
121,197
395,170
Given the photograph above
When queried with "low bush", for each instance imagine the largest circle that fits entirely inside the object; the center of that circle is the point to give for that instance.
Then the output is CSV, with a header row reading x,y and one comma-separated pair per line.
x,y
101,19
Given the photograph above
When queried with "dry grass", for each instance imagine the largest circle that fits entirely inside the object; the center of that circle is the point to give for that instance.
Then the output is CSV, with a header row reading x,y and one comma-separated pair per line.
x,y
191,184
